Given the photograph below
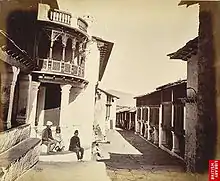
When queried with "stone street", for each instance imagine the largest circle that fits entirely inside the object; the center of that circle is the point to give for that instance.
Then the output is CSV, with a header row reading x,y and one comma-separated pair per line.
x,y
133,158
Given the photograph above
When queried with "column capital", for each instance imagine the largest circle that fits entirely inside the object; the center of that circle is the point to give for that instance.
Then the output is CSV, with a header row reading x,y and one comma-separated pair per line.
x,y
65,87
35,85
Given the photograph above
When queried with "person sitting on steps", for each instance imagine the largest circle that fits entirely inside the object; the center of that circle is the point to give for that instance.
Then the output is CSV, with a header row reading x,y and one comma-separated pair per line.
x,y
97,151
47,138
76,147
59,147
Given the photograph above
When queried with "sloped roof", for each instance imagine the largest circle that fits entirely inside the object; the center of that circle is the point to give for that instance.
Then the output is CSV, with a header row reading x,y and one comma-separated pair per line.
x,y
171,84
165,86
108,93
105,52
188,2
186,52
149,93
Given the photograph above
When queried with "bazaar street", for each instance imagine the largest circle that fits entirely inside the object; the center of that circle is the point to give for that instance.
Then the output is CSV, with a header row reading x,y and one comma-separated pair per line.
x,y
133,158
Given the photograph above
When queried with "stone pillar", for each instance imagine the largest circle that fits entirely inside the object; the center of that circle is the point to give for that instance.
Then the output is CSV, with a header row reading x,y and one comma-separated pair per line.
x,y
148,124
141,122
65,94
33,106
28,98
156,136
11,96
136,121
175,147
40,106
160,125
130,121
184,117
146,129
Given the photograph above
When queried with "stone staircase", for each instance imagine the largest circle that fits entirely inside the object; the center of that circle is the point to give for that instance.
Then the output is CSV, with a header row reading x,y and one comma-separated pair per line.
x,y
18,152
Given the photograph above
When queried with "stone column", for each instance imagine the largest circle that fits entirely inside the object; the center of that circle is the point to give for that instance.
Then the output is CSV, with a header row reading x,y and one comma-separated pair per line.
x,y
11,96
148,124
130,121
141,122
40,106
33,106
136,122
156,136
175,147
146,129
65,93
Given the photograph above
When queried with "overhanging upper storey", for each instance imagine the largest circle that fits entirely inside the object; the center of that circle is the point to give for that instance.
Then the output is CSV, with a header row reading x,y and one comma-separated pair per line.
x,y
55,16
105,48
60,44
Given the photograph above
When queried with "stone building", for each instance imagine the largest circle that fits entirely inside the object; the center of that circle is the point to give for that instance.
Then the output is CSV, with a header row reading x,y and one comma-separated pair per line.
x,y
105,111
160,117
202,102
50,66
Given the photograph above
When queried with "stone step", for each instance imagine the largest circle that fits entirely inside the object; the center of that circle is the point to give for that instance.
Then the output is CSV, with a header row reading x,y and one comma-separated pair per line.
x,y
13,136
64,156
19,158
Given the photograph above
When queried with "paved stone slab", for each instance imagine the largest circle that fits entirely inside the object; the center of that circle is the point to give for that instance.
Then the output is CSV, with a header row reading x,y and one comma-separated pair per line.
x,y
148,157
77,171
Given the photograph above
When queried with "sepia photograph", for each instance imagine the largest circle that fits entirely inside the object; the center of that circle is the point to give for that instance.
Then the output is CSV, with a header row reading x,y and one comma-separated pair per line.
x,y
109,90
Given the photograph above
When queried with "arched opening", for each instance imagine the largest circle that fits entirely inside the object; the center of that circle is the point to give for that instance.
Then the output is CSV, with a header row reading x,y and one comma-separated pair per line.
x,y
68,51
57,50
43,46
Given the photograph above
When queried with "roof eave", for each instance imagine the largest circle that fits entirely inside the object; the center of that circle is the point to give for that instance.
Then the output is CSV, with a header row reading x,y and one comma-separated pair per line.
x,y
188,2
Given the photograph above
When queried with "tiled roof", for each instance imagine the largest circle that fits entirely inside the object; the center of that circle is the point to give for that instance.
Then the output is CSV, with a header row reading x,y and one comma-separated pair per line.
x,y
188,2
171,84
187,51
21,57
158,89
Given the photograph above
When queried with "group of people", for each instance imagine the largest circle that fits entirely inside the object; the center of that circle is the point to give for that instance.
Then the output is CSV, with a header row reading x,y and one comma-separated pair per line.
x,y
56,142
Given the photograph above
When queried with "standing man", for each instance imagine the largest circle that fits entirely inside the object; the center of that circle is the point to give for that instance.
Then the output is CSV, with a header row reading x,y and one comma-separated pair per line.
x,y
75,146
47,138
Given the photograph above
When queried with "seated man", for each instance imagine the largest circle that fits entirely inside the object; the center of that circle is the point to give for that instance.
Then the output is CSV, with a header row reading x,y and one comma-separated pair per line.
x,y
47,138
75,146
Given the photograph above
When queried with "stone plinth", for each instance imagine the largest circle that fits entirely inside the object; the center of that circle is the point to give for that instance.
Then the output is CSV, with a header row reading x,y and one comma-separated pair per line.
x,y
13,136
19,159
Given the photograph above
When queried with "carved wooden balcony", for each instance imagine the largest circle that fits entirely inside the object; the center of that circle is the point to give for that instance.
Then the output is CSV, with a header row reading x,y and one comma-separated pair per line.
x,y
48,65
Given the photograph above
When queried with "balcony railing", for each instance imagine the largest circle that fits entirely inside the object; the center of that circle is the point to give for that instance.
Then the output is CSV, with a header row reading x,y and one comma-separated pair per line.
x,y
82,24
61,67
59,16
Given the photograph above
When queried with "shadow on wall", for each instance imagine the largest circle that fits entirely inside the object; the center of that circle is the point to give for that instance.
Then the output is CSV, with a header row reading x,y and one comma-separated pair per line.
x,y
52,115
